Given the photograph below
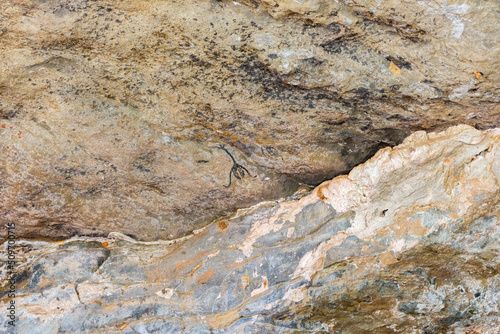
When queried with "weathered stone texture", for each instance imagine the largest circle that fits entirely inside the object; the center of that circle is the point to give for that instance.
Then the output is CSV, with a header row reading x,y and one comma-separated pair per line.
x,y
110,110
408,242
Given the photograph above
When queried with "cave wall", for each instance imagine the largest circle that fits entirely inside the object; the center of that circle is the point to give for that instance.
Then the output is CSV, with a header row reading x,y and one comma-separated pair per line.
x,y
408,242
253,166
111,112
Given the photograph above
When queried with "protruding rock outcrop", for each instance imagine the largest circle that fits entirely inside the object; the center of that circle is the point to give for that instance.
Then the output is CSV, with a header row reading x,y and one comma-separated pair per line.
x,y
408,242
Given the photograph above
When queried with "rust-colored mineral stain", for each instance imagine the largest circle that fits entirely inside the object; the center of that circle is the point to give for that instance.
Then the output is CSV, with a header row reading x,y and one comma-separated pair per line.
x,y
105,244
180,266
414,227
222,225
394,69
206,276
195,268
321,195
447,161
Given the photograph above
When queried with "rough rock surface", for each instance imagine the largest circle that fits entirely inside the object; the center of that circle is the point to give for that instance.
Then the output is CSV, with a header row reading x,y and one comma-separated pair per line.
x,y
408,242
110,111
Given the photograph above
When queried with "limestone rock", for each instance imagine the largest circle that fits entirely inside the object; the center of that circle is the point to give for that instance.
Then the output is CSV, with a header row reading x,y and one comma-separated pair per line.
x,y
408,242
110,111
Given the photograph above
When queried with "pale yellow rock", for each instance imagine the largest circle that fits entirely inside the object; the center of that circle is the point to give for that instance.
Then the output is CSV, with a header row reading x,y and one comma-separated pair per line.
x,y
110,111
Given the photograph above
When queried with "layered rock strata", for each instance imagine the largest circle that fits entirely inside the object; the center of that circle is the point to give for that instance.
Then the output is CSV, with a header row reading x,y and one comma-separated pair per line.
x,y
407,242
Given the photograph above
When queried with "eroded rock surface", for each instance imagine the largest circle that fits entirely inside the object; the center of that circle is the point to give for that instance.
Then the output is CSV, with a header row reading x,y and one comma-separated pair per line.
x,y
110,110
408,242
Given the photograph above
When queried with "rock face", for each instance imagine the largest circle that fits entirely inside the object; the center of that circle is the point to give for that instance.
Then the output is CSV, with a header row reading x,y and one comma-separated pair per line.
x,y
111,111
408,242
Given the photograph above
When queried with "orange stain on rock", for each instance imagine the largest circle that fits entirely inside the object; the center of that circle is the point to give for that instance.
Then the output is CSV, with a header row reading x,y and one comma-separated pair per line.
x,y
195,268
180,266
394,69
206,276
321,195
105,244
222,225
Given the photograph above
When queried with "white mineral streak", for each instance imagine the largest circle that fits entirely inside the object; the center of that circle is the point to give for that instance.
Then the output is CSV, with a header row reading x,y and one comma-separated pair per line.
x,y
90,291
286,211
453,13
115,236
361,190
313,260
289,58
295,295
259,228
273,304
166,293
211,255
